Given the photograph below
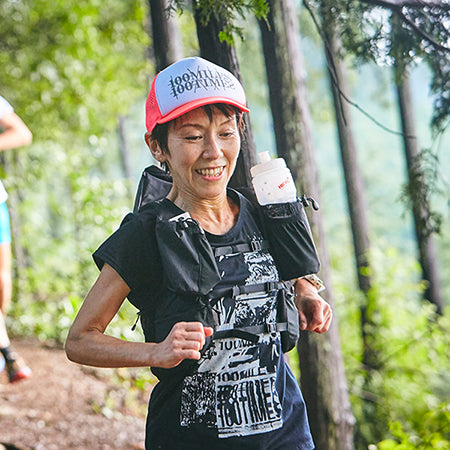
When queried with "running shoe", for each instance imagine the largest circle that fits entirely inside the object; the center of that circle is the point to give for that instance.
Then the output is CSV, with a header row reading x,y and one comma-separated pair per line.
x,y
17,370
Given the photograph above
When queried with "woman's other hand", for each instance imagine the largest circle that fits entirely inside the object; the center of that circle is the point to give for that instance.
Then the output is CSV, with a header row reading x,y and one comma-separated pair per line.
x,y
315,313
184,341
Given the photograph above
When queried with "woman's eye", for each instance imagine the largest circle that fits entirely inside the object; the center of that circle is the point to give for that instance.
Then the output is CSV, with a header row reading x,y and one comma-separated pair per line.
x,y
228,134
193,138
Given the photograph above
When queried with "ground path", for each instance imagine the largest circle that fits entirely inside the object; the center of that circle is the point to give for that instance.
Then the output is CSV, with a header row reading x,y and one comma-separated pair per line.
x,y
66,406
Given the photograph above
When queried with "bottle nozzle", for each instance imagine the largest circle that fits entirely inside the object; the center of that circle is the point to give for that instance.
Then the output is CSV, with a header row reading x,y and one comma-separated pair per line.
x,y
264,157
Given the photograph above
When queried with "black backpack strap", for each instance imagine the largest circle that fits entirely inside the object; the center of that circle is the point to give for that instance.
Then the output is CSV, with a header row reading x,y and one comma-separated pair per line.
x,y
268,287
240,333
250,333
252,246
154,185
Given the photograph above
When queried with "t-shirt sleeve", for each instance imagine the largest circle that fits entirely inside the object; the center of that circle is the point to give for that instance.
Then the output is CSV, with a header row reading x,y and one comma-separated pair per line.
x,y
128,252
5,107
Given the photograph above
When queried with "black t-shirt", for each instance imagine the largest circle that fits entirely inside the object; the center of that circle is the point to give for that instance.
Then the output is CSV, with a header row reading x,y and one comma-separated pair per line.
x,y
240,394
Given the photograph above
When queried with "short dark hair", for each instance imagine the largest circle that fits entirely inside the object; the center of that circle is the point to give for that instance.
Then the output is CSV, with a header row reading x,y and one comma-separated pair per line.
x,y
161,131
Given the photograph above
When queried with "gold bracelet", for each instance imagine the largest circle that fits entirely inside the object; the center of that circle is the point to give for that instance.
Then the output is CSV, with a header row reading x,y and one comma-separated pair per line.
x,y
315,281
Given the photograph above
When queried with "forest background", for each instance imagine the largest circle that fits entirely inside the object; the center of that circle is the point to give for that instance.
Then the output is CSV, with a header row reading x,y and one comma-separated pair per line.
x,y
78,74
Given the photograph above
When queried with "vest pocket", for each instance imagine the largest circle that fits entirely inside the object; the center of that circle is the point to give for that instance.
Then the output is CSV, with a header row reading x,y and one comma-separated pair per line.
x,y
287,229
186,255
287,313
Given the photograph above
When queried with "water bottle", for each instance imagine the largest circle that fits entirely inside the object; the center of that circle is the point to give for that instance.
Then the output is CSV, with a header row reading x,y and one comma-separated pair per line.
x,y
272,181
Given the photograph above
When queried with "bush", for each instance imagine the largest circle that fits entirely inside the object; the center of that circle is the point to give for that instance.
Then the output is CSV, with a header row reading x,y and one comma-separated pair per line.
x,y
408,393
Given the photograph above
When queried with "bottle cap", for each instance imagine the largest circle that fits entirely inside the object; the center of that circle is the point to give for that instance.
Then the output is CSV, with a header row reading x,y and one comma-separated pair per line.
x,y
267,164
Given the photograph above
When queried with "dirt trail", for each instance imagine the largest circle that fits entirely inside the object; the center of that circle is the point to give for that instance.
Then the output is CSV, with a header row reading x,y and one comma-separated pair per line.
x,y
65,406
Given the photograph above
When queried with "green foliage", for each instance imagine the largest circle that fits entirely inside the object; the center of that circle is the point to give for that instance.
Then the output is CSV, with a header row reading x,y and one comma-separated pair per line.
x,y
423,34
424,181
410,387
67,66
434,434
78,209
226,12
395,35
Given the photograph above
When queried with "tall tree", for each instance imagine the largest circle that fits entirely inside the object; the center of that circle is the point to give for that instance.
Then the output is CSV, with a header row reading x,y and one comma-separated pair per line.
x,y
420,30
322,373
417,189
352,172
222,53
371,359
166,41
418,193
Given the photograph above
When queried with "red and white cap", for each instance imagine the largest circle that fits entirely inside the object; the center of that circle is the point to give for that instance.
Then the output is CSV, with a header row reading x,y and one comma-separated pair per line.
x,y
188,84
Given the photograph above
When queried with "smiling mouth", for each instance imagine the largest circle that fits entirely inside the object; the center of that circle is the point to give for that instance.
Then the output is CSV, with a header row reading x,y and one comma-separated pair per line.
x,y
216,172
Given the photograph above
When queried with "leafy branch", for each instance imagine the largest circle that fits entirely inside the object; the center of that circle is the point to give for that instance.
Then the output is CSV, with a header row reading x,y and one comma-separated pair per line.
x,y
334,80
226,12
390,4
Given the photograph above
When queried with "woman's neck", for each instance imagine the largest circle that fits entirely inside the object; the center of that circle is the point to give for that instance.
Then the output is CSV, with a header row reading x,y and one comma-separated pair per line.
x,y
216,215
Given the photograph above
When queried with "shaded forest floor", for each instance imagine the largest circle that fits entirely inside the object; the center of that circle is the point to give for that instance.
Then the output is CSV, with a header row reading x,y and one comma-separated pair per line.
x,y
67,406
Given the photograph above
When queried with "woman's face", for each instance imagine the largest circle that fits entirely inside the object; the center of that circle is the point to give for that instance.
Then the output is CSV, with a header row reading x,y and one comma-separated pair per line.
x,y
202,153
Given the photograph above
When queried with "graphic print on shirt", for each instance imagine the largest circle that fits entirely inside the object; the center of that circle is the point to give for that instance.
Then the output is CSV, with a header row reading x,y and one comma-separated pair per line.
x,y
234,386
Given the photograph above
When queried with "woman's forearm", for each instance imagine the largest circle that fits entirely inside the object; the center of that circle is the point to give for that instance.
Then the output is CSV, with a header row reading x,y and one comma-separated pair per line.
x,y
94,348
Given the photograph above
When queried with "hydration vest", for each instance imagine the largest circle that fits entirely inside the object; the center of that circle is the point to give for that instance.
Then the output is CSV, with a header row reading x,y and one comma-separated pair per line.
x,y
190,268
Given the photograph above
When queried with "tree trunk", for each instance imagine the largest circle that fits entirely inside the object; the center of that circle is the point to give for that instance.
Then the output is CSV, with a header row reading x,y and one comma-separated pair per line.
x,y
420,207
165,35
224,55
322,372
371,359
352,173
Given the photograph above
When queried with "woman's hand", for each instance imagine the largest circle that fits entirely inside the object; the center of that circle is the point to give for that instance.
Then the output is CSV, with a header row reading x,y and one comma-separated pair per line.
x,y
184,341
315,313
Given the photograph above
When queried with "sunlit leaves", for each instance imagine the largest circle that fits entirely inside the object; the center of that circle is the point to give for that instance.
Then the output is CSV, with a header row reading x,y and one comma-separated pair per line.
x,y
410,388
228,11
69,68
72,64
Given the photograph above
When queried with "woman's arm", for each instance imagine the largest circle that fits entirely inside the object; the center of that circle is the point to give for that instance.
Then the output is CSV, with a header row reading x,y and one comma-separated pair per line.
x,y
15,133
88,344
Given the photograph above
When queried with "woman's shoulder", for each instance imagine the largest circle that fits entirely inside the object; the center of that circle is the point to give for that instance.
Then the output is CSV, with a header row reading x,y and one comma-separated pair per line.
x,y
132,250
136,230
142,221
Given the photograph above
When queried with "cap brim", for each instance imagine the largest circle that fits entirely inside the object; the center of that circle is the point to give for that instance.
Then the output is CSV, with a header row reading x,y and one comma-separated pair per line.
x,y
196,104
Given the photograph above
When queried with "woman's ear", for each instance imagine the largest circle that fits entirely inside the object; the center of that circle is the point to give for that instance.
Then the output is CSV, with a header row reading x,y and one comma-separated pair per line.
x,y
155,149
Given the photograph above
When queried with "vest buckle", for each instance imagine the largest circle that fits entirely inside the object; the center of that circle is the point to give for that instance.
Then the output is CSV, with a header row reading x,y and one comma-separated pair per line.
x,y
256,245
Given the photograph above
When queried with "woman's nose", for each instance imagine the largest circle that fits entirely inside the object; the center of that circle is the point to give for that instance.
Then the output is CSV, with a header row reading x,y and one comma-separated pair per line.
x,y
212,148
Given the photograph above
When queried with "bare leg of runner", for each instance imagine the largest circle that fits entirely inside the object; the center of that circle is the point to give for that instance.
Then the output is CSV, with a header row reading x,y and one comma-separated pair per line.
x,y
17,369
